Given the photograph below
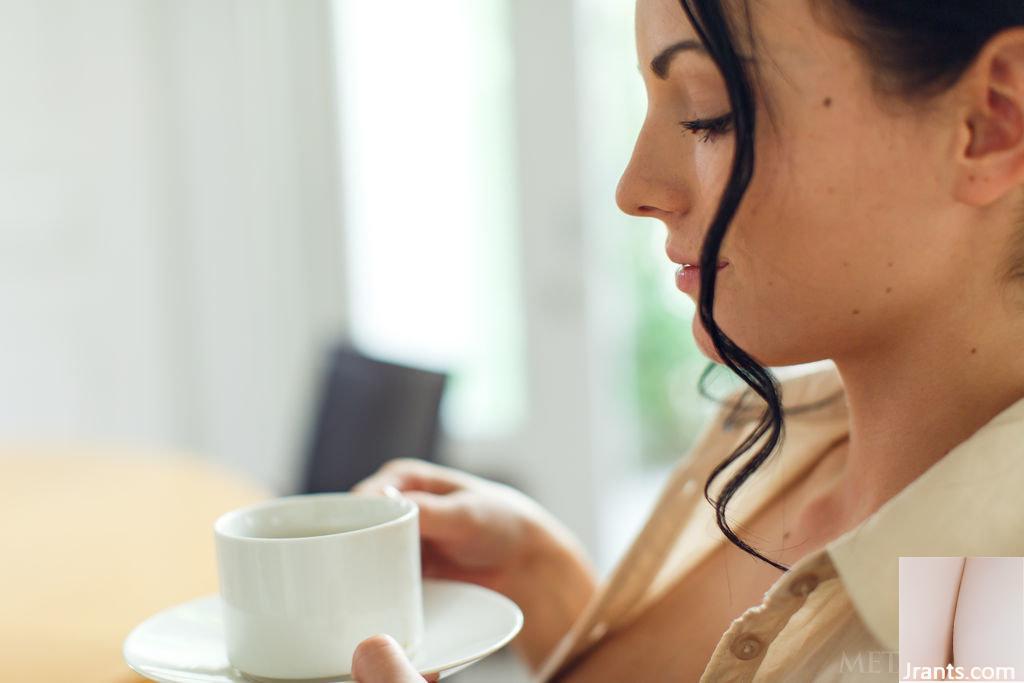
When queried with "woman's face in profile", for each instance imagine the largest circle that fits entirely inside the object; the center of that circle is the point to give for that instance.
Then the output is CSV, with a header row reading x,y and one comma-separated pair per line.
x,y
851,231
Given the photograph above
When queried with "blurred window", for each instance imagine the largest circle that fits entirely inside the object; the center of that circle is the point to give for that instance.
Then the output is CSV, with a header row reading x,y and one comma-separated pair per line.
x,y
429,198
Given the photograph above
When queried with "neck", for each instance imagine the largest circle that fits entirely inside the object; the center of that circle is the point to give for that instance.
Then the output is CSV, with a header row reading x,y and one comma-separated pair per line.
x,y
918,396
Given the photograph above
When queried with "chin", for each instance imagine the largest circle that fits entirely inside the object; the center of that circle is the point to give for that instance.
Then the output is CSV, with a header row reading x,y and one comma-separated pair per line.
x,y
704,342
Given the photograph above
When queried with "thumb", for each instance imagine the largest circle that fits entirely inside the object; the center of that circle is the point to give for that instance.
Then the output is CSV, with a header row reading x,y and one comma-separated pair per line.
x,y
379,659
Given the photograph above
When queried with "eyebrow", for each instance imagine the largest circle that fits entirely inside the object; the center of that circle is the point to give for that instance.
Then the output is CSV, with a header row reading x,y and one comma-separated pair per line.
x,y
661,63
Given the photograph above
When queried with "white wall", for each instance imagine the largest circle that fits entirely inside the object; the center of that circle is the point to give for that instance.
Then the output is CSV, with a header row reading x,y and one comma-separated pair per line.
x,y
84,337
169,238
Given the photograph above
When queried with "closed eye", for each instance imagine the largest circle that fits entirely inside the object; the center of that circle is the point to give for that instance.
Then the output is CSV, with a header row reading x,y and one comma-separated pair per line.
x,y
712,127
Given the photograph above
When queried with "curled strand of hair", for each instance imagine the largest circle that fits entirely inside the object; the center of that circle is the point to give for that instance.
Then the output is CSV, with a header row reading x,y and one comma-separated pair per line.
x,y
758,378
737,408
732,485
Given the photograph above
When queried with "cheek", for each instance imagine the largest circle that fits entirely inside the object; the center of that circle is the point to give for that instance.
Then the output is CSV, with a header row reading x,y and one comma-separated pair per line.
x,y
817,270
712,162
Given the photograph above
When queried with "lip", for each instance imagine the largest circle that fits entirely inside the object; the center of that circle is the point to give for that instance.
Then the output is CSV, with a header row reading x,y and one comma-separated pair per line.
x,y
683,260
688,277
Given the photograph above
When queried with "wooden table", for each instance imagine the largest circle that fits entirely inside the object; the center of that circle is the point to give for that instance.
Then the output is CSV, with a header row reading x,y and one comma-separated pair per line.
x,y
92,541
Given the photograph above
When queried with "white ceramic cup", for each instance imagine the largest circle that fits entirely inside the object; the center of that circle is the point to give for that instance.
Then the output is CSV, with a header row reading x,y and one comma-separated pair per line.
x,y
304,579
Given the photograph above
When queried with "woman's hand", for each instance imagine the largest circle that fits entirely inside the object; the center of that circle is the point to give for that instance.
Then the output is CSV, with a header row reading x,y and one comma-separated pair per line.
x,y
379,659
471,529
490,534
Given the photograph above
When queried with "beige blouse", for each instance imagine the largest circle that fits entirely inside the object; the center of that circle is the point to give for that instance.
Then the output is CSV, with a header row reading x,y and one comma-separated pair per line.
x,y
834,616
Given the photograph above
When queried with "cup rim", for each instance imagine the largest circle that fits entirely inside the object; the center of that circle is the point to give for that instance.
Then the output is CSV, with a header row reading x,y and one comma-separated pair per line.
x,y
411,511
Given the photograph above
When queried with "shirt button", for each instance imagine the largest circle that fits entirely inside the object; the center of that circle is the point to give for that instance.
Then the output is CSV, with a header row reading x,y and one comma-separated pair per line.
x,y
746,647
802,585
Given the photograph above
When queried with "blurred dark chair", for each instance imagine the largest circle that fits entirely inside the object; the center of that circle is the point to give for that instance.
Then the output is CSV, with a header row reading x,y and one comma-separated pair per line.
x,y
370,411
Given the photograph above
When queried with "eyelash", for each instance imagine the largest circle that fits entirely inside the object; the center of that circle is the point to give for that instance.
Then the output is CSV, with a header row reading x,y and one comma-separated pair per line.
x,y
712,127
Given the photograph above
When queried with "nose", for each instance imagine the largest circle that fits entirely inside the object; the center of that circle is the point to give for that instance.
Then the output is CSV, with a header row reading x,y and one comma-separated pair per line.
x,y
652,184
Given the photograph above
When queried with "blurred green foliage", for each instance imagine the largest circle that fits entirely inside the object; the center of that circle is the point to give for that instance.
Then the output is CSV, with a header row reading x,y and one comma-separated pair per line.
x,y
667,366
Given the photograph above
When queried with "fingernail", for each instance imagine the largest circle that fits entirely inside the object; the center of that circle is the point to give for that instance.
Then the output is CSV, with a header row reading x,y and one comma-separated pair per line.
x,y
392,492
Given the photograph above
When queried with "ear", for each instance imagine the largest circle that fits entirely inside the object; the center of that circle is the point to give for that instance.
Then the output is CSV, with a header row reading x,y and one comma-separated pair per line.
x,y
990,139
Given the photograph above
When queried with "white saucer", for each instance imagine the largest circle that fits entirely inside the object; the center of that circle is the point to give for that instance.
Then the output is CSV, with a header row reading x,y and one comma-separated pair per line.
x,y
463,623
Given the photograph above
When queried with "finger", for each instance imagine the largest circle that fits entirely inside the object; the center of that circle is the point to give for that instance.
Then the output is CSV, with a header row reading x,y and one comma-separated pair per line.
x,y
431,475
431,562
406,474
442,517
421,475
375,484
379,659
437,567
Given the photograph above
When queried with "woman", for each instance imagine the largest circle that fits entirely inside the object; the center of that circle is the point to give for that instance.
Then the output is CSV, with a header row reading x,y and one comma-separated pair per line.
x,y
874,221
